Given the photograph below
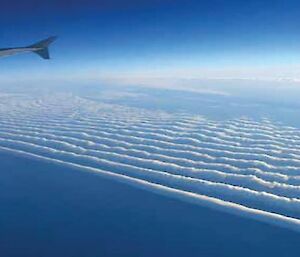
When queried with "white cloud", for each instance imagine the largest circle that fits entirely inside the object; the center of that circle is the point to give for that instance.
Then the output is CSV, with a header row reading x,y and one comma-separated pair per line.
x,y
249,168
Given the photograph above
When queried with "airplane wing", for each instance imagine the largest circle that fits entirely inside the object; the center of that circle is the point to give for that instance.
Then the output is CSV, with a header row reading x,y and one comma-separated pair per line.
x,y
40,48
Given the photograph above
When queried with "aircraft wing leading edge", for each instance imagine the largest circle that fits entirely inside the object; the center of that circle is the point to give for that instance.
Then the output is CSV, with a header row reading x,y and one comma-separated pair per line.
x,y
40,48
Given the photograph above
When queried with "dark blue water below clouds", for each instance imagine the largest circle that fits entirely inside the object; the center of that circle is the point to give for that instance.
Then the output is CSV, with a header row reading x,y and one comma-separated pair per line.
x,y
49,210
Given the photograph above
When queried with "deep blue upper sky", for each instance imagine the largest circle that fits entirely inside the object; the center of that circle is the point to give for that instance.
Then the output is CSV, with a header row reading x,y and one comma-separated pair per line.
x,y
140,36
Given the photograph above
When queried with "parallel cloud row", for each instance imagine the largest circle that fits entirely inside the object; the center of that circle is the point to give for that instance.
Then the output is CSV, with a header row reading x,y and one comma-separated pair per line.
x,y
246,166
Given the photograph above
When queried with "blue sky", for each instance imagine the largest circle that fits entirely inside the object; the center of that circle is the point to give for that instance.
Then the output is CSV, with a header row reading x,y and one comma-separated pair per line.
x,y
215,38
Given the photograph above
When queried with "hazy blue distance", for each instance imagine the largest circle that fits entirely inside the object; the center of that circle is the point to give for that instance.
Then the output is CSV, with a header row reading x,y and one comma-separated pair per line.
x,y
129,36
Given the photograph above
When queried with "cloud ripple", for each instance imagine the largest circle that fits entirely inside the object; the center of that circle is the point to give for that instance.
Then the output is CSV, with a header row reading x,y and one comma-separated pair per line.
x,y
241,166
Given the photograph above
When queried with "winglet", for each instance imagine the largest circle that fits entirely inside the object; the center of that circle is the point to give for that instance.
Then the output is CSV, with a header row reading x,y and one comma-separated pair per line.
x,y
42,47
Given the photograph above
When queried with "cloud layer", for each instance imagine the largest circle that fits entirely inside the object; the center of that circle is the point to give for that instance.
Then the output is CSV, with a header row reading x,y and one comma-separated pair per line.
x,y
241,166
